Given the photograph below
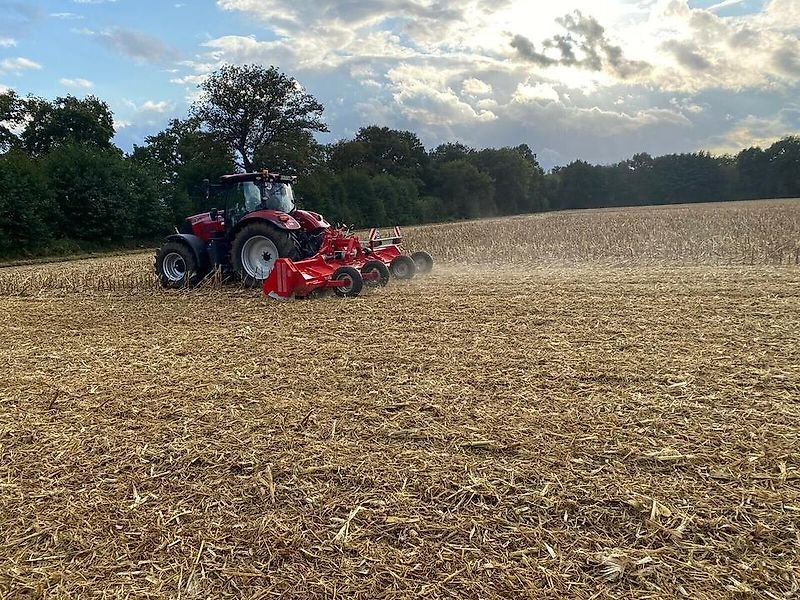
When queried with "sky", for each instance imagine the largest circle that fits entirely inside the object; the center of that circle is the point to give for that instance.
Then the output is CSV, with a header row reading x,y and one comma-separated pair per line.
x,y
597,80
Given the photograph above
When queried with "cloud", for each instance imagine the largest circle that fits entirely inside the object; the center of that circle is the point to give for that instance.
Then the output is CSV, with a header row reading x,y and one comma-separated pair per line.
x,y
151,107
476,87
67,16
787,59
17,18
538,92
189,80
160,107
141,47
7,42
584,45
754,130
724,4
617,75
424,95
78,83
688,55
134,121
16,65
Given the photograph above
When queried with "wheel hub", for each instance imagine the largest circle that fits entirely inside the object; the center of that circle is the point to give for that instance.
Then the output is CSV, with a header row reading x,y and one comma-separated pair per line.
x,y
259,254
174,267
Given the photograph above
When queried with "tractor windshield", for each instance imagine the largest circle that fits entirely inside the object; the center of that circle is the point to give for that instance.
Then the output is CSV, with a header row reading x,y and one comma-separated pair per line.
x,y
252,195
278,196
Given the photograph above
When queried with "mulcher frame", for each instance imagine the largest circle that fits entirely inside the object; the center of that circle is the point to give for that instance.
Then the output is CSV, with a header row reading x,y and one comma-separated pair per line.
x,y
340,248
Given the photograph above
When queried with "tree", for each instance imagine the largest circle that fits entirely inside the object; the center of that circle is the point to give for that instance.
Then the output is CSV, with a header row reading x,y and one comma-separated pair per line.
x,y
251,109
784,172
12,116
752,166
298,153
102,197
465,191
179,158
581,185
68,120
27,208
515,173
450,151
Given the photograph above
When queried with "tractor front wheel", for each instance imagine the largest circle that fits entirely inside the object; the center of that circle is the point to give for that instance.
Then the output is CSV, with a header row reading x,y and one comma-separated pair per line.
x,y
256,248
176,266
353,282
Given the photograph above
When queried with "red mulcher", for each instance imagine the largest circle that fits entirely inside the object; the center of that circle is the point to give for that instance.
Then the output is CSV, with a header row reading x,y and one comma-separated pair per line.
x,y
263,239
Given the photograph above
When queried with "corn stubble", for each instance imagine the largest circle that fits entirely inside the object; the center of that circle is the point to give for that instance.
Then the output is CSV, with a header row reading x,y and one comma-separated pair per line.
x,y
599,404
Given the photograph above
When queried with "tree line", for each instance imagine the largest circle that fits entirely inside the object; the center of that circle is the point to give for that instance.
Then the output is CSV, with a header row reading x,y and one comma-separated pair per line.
x,y
65,186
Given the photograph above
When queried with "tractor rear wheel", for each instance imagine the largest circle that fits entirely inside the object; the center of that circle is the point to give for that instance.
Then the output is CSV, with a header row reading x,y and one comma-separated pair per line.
x,y
256,248
176,266
403,267
382,270
424,262
353,282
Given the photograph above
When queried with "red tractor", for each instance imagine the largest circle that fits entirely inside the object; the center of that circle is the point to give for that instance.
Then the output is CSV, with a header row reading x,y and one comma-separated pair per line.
x,y
262,239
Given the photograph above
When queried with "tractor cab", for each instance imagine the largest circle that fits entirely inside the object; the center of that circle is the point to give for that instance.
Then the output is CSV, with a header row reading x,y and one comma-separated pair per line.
x,y
244,193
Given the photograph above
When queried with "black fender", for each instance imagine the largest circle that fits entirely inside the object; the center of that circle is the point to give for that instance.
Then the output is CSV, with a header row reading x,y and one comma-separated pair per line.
x,y
197,246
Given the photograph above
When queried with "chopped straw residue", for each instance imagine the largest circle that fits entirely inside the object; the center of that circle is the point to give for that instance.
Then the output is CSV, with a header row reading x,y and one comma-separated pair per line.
x,y
499,431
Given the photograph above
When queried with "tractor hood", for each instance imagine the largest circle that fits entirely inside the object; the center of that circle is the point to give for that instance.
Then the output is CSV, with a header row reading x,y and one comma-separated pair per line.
x,y
204,225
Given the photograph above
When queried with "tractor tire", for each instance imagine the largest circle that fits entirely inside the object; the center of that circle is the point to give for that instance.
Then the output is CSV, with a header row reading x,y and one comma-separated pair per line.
x,y
255,249
424,262
355,285
176,266
383,273
403,267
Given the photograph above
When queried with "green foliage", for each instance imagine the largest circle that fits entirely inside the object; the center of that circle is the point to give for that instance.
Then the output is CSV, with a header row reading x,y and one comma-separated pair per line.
x,y
27,205
784,158
67,120
465,191
12,116
380,151
101,196
251,109
64,185
179,159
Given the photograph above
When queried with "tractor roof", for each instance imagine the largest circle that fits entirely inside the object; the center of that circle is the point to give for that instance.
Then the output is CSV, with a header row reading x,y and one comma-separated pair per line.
x,y
258,176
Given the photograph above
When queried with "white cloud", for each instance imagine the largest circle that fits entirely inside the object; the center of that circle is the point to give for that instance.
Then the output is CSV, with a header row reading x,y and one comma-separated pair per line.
x,y
724,4
476,87
632,74
16,65
149,106
78,83
754,130
141,47
189,80
538,92
67,16
7,42
157,107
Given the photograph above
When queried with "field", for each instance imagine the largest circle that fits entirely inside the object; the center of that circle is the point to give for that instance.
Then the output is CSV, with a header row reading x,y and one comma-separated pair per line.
x,y
585,404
